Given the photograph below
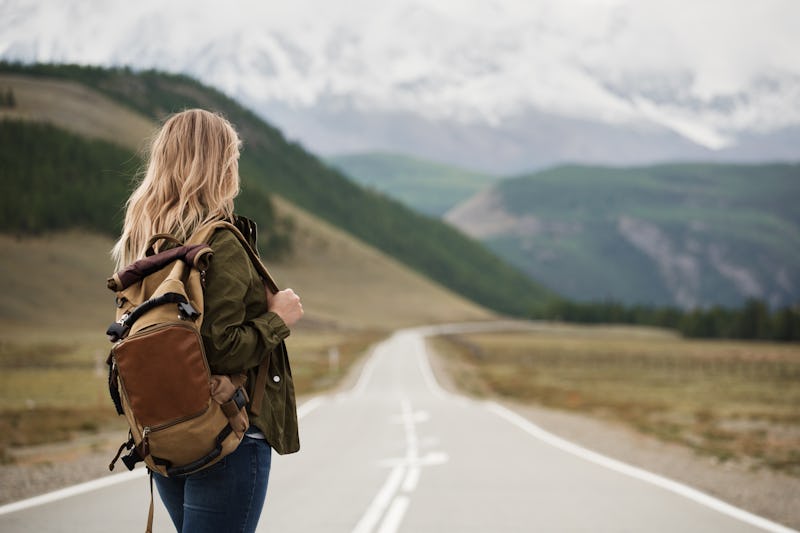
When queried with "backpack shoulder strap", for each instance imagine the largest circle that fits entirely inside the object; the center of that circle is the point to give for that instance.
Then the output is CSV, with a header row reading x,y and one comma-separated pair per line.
x,y
202,236
204,233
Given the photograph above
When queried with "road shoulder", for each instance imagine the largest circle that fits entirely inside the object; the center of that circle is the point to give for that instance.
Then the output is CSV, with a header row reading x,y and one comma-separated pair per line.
x,y
769,494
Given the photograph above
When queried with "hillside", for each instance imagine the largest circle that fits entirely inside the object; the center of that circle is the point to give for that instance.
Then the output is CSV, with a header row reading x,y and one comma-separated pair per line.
x,y
271,163
326,265
428,187
682,235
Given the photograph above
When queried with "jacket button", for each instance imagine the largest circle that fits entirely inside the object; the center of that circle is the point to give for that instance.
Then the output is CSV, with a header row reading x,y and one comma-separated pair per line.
x,y
276,379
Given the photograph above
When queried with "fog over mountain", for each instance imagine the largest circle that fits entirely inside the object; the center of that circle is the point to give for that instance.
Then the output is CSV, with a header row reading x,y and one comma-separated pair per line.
x,y
498,85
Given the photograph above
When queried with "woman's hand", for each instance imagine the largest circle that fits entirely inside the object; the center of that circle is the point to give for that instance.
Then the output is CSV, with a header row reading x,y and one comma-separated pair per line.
x,y
286,304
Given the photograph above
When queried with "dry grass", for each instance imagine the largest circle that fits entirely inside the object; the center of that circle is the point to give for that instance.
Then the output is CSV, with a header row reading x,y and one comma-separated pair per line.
x,y
315,368
731,400
54,391
76,108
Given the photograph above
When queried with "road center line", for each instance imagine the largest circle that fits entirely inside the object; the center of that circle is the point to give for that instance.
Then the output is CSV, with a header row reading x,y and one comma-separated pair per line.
x,y
381,501
395,515
412,479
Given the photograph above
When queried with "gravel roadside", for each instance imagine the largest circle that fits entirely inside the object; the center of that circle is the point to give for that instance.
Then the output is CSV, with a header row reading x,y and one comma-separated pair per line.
x,y
40,469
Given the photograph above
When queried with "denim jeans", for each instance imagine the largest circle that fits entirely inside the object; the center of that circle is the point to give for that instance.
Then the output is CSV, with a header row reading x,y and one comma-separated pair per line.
x,y
226,497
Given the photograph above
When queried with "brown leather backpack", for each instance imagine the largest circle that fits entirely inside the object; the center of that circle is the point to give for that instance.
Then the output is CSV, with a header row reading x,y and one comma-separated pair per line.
x,y
182,419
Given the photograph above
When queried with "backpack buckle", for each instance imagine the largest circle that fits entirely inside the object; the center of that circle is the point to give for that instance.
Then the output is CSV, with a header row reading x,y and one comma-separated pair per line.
x,y
187,311
118,329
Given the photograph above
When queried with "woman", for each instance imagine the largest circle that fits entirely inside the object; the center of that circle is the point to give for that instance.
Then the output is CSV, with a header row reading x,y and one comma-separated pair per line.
x,y
192,178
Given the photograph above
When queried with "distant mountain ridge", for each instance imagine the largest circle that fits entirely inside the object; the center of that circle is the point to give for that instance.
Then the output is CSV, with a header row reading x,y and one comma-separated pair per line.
x,y
428,187
681,234
504,87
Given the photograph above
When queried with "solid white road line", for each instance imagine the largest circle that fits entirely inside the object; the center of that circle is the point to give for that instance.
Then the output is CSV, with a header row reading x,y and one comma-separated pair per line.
x,y
427,373
366,375
310,405
594,457
634,472
74,490
108,481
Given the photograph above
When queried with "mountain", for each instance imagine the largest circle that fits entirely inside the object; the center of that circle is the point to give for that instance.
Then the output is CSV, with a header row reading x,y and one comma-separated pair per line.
x,y
687,235
502,86
428,187
270,164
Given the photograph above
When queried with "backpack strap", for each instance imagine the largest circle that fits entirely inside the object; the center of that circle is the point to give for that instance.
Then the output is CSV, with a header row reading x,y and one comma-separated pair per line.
x,y
149,528
151,242
203,235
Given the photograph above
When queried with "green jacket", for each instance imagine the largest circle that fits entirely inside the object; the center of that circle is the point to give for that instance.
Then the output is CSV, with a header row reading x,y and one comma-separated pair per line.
x,y
239,333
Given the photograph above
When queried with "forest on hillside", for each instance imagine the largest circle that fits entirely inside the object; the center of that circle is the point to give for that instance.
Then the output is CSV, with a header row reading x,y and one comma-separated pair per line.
x,y
51,179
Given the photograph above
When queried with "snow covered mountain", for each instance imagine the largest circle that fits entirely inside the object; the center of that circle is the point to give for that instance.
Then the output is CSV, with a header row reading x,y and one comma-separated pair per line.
x,y
498,85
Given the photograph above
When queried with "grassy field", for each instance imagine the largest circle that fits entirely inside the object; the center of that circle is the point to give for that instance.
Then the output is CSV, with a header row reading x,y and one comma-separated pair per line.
x,y
54,391
730,400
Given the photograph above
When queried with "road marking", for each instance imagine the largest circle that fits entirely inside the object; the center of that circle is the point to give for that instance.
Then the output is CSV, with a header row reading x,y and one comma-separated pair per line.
x,y
405,475
412,479
394,516
569,447
427,373
634,472
107,481
381,501
366,373
430,459
310,405
74,490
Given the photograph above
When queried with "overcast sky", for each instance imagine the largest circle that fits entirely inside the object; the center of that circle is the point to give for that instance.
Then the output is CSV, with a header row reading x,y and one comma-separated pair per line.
x,y
457,58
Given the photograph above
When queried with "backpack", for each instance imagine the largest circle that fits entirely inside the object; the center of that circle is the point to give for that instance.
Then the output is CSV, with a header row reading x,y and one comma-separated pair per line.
x,y
182,418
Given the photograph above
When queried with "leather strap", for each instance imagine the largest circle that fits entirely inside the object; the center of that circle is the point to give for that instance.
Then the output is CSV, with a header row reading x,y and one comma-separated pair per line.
x,y
149,528
149,250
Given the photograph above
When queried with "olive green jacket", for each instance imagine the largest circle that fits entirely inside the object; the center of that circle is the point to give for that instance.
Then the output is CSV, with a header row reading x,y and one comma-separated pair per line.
x,y
239,333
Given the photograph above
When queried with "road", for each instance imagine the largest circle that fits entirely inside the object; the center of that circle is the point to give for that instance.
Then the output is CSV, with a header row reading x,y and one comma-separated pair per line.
x,y
399,454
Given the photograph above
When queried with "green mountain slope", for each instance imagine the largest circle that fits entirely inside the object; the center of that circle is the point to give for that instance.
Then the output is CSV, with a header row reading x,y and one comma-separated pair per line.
x,y
428,187
51,179
269,163
690,234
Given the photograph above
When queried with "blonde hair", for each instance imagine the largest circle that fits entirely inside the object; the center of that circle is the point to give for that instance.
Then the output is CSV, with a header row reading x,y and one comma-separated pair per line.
x,y
192,178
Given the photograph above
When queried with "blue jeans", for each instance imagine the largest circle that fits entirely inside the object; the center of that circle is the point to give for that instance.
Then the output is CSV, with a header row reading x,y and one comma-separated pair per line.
x,y
226,497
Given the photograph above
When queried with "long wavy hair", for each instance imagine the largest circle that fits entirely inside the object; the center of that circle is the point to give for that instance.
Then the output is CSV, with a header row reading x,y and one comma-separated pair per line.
x,y
192,177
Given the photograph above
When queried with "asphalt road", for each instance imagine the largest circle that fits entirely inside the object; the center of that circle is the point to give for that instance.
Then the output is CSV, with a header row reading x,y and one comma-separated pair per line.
x,y
397,453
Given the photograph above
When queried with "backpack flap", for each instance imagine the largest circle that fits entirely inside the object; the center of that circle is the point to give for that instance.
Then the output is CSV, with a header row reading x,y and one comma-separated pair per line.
x,y
144,288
